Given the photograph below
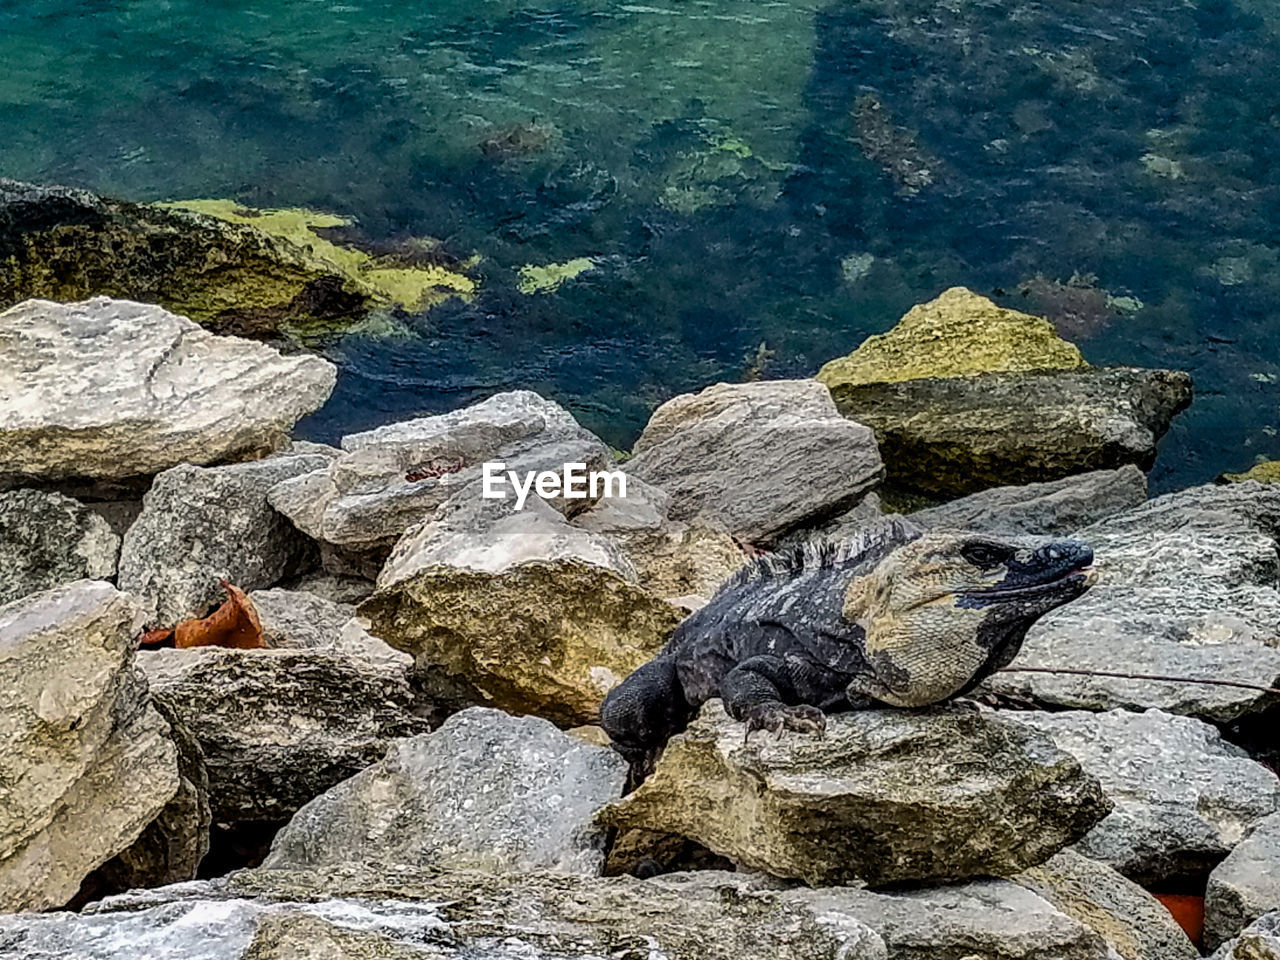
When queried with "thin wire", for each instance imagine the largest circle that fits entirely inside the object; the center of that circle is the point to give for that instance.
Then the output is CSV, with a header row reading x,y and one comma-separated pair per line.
x,y
1143,676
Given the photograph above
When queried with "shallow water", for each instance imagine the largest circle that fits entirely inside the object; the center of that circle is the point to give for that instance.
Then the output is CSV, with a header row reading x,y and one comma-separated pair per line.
x,y
789,174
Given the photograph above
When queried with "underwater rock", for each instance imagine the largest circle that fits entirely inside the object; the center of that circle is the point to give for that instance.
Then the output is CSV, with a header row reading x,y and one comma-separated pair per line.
x,y
87,762
1245,885
551,276
110,389
887,797
762,458
47,539
891,147
1187,587
487,791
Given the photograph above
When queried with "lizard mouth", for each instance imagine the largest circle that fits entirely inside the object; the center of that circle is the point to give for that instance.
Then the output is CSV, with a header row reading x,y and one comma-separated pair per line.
x,y
1082,577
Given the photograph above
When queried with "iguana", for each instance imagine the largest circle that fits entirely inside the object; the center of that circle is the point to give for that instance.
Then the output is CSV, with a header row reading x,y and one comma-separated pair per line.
x,y
893,616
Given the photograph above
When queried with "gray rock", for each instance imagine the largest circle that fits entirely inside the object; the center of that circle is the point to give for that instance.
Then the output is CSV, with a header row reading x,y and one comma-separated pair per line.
x,y
1056,508
200,525
279,727
332,587
47,540
111,388
366,498
1260,941
1188,588
763,458
87,761
487,791
1245,885
901,795
1132,921
345,913
1183,796
294,618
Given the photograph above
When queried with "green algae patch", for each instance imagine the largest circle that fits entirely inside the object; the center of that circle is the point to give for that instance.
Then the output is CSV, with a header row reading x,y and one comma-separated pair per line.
x,y
384,281
959,334
1268,471
545,279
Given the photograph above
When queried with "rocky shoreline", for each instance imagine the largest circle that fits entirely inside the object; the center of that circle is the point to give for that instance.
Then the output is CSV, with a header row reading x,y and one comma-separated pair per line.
x,y
406,765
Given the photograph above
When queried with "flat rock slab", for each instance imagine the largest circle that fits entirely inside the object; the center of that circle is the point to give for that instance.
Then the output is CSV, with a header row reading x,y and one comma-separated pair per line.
x,y
1187,587
487,791
1244,886
762,458
109,389
87,762
47,540
887,797
1183,796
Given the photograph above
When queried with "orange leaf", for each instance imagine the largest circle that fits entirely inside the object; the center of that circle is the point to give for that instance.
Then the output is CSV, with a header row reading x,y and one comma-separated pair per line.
x,y
1187,910
234,624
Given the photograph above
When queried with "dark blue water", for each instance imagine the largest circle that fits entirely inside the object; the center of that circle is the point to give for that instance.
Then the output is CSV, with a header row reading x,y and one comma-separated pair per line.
x,y
793,174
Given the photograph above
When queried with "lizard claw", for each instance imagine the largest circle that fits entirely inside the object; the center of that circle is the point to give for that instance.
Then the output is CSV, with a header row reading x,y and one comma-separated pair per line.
x,y
802,718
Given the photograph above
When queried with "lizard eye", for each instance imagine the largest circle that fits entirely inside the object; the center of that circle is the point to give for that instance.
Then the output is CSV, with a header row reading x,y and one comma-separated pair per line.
x,y
984,555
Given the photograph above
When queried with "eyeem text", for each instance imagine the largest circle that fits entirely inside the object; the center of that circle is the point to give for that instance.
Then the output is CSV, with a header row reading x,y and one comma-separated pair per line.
x,y
574,482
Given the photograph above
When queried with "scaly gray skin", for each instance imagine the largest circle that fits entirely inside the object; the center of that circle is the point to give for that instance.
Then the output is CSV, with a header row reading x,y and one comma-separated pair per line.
x,y
894,617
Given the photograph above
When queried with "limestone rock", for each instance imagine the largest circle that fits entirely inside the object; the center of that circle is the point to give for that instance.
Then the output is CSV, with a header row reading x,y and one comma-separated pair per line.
x,y
487,791
87,761
903,797
331,587
1260,941
763,458
1266,472
1132,921
279,727
1057,508
391,478
336,911
536,615
1188,587
47,540
200,525
1245,885
293,618
112,389
1183,796
957,334
954,436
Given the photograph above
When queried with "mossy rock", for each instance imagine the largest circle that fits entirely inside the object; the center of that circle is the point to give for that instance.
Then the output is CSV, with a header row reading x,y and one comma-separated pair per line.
x,y
958,334
1268,471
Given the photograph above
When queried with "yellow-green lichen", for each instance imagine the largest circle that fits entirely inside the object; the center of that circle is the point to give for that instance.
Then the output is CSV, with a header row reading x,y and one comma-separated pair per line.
x,y
545,279
1268,471
383,281
958,334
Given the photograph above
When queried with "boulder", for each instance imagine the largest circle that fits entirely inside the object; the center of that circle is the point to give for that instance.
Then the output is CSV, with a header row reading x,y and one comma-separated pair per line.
x,y
487,791
1183,796
1057,508
393,477
301,620
279,727
351,912
1268,471
532,613
762,458
1188,588
87,762
112,389
1135,924
1260,941
47,540
201,525
1244,886
887,797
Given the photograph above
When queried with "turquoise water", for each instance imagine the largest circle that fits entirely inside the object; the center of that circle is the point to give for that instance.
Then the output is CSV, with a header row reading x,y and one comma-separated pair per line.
x,y
788,174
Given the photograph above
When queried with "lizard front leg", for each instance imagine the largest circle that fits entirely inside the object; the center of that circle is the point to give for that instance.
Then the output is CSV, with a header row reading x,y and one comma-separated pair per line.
x,y
762,692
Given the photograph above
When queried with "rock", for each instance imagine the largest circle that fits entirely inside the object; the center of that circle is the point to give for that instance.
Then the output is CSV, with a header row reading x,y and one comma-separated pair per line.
x,y
300,620
1266,472
1183,796
869,510
47,540
200,525
1244,886
535,614
763,458
113,389
334,913
958,334
1260,941
279,727
887,797
1132,921
1056,508
1188,587
393,477
331,587
487,791
87,762
950,437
